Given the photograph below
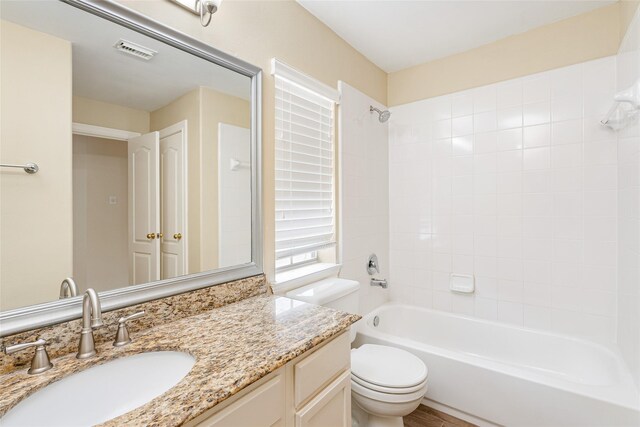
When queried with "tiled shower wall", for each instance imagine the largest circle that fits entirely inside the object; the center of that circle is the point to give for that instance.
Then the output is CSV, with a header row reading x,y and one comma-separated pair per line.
x,y
628,71
364,193
515,183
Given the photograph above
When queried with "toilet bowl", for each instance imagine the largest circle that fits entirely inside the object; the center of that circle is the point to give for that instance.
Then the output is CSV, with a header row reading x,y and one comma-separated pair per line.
x,y
387,383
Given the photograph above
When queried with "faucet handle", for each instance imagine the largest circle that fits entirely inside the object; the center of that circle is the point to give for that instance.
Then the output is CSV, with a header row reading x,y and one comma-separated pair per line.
x,y
40,361
372,265
379,282
122,336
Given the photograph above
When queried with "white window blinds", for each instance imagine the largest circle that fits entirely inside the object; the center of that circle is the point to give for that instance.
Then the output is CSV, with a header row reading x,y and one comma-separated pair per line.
x,y
305,212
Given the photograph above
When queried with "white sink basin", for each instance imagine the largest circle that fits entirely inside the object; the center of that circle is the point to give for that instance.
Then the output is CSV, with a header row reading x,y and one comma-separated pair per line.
x,y
103,392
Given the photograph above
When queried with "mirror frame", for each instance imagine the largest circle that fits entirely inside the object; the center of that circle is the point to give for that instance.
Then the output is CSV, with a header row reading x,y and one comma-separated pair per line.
x,y
50,313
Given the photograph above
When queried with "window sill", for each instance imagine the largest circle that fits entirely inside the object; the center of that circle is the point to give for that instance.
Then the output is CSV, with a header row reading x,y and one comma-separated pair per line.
x,y
297,277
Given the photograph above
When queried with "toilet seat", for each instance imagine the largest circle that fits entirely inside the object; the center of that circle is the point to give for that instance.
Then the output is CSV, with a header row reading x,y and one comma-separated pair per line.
x,y
379,396
387,369
388,390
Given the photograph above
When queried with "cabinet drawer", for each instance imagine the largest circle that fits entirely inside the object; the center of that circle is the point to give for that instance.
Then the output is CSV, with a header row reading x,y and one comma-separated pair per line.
x,y
262,407
316,371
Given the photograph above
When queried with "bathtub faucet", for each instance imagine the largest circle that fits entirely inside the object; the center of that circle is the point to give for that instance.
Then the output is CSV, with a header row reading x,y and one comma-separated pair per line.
x,y
379,282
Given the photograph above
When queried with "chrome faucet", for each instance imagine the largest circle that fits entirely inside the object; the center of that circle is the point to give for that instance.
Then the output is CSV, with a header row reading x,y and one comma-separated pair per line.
x,y
68,288
40,361
379,282
91,319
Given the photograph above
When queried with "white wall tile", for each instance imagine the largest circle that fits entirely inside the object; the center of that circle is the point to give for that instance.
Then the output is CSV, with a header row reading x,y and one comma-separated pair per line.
x,y
486,308
566,82
537,136
509,94
462,104
537,317
485,142
566,156
365,209
511,312
536,294
510,139
509,161
485,121
600,153
536,158
536,114
536,88
484,99
567,108
509,118
462,145
567,132
538,181
521,188
462,126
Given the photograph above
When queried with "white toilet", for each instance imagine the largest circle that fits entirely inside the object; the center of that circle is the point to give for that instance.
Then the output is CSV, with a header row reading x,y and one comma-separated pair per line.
x,y
387,383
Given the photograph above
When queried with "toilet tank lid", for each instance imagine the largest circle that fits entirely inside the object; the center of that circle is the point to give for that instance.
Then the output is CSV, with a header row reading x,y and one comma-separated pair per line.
x,y
324,291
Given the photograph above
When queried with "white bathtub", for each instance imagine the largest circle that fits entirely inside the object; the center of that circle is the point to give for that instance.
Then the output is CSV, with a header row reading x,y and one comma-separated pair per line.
x,y
509,375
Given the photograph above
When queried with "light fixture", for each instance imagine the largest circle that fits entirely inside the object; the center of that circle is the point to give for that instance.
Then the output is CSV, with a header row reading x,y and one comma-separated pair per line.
x,y
204,8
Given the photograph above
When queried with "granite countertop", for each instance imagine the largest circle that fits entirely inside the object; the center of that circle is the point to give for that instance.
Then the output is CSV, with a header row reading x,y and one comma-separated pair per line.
x,y
234,346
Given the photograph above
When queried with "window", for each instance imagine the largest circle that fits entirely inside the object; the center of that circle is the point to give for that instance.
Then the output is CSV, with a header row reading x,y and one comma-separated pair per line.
x,y
305,196
296,260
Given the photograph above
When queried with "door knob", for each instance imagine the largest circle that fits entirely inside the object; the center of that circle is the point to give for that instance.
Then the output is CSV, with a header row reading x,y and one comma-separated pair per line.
x,y
151,236
177,236
160,235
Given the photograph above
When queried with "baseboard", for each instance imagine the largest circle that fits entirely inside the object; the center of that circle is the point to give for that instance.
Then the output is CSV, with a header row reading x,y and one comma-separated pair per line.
x,y
480,422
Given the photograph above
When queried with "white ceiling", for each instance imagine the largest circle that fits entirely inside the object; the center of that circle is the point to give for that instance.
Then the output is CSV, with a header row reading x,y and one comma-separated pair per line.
x,y
397,34
103,73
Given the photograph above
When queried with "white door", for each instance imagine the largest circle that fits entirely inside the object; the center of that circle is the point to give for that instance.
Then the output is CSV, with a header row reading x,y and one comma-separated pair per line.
x,y
144,215
173,189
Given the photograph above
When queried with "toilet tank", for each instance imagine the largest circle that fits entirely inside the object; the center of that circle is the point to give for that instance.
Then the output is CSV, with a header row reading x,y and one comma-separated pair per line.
x,y
339,294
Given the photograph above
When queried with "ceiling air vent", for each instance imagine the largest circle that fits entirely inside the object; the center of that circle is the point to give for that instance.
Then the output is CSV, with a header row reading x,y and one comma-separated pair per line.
x,y
135,49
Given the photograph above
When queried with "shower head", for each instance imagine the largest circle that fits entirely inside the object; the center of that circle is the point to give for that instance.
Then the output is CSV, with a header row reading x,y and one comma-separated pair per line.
x,y
383,116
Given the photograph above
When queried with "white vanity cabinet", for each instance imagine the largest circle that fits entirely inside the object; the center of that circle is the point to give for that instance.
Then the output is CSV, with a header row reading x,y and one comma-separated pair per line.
x,y
313,390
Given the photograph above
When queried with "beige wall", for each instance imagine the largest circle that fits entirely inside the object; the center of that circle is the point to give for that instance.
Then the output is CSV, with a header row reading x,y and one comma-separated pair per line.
x,y
98,113
100,252
35,249
592,35
187,107
627,11
216,108
257,31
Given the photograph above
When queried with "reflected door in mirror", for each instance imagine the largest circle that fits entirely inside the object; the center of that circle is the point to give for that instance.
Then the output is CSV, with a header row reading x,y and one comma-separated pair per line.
x,y
173,189
157,205
144,212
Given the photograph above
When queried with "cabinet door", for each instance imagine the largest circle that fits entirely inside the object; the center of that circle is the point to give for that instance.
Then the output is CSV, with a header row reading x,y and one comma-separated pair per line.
x,y
330,408
263,407
316,371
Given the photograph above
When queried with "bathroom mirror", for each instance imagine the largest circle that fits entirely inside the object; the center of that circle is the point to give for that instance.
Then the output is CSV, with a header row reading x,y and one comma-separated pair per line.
x,y
147,151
